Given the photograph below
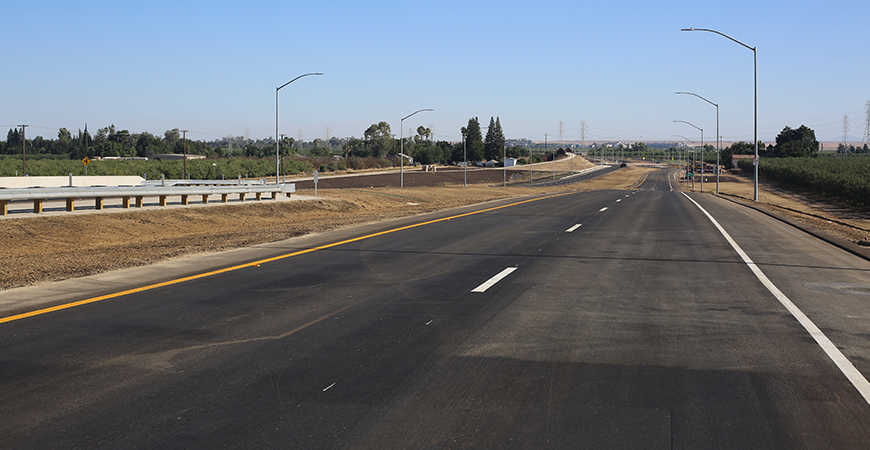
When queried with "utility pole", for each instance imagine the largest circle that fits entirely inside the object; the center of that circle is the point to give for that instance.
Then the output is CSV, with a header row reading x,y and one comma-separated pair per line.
x,y
867,122
24,148
846,134
184,150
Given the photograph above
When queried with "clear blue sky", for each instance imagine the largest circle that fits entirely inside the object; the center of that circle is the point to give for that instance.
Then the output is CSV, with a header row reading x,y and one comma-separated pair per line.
x,y
212,66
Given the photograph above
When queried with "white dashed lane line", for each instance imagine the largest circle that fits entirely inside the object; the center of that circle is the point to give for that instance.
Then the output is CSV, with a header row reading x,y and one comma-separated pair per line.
x,y
571,230
492,281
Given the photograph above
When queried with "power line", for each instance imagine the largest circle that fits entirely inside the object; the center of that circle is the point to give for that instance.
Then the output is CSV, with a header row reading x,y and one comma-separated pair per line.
x,y
845,130
867,122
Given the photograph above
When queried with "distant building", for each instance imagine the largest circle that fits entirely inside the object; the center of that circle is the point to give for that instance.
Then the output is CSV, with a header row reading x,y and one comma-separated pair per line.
x,y
176,156
518,143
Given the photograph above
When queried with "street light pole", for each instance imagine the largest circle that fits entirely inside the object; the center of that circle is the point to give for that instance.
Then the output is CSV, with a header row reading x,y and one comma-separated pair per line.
x,y
702,155
402,146
465,157
717,139
687,157
755,81
277,142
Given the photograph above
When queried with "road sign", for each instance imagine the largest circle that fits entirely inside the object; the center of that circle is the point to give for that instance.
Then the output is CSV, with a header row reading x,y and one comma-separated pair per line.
x,y
755,161
86,161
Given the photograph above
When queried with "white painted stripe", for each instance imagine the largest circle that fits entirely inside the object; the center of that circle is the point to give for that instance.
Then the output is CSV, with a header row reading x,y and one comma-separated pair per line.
x,y
618,200
602,209
846,366
569,230
327,387
492,281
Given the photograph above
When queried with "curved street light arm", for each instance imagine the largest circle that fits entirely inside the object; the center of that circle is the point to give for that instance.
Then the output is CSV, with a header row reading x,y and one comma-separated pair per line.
x,y
720,34
688,123
696,95
415,112
680,135
300,76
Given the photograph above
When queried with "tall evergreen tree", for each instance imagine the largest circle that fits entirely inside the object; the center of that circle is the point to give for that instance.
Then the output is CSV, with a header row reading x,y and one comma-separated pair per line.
x,y
494,143
13,140
474,140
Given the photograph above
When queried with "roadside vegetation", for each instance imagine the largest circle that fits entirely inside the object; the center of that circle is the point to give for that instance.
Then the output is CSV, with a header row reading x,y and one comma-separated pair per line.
x,y
795,161
842,178
120,152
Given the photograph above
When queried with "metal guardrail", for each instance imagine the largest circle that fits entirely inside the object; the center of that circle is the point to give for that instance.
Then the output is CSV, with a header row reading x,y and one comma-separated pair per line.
x,y
98,193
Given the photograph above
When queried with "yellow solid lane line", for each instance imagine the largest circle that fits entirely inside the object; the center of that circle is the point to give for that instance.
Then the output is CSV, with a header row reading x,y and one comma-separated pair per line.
x,y
255,263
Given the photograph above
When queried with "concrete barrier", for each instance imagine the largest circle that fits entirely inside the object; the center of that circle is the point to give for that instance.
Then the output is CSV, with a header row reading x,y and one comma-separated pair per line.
x,y
26,182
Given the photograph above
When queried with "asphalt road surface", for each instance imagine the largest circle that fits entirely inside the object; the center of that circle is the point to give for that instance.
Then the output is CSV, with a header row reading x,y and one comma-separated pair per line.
x,y
607,319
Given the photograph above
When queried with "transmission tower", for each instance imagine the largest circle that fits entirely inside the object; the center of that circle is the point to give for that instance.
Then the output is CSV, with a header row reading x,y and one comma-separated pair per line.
x,y
300,139
846,131
867,122
561,131
583,134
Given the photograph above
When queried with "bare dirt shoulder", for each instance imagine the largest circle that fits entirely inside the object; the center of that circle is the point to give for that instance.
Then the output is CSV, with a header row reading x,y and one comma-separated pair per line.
x,y
832,217
42,249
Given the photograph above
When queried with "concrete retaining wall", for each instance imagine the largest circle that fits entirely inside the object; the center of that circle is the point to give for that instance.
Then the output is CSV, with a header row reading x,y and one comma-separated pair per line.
x,y
26,182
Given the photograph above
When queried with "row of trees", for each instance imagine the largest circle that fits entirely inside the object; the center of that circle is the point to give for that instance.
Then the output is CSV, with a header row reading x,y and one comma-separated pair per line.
x,y
106,142
378,142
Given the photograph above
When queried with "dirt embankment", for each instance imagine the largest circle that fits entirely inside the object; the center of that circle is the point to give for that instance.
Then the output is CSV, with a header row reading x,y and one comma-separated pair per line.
x,y
845,221
41,249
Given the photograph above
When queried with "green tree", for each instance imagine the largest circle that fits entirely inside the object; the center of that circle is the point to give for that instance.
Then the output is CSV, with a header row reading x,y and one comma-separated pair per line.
x,y
13,140
423,134
493,146
147,145
796,142
474,140
171,138
742,148
379,140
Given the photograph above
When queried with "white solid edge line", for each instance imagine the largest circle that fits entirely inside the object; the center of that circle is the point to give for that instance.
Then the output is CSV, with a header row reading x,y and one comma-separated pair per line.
x,y
569,230
843,363
492,281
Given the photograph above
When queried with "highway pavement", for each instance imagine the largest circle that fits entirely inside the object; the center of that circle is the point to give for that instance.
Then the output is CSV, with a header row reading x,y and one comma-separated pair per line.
x,y
605,319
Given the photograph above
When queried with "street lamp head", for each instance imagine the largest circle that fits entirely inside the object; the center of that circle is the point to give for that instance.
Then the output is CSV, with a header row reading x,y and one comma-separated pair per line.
x,y
687,29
